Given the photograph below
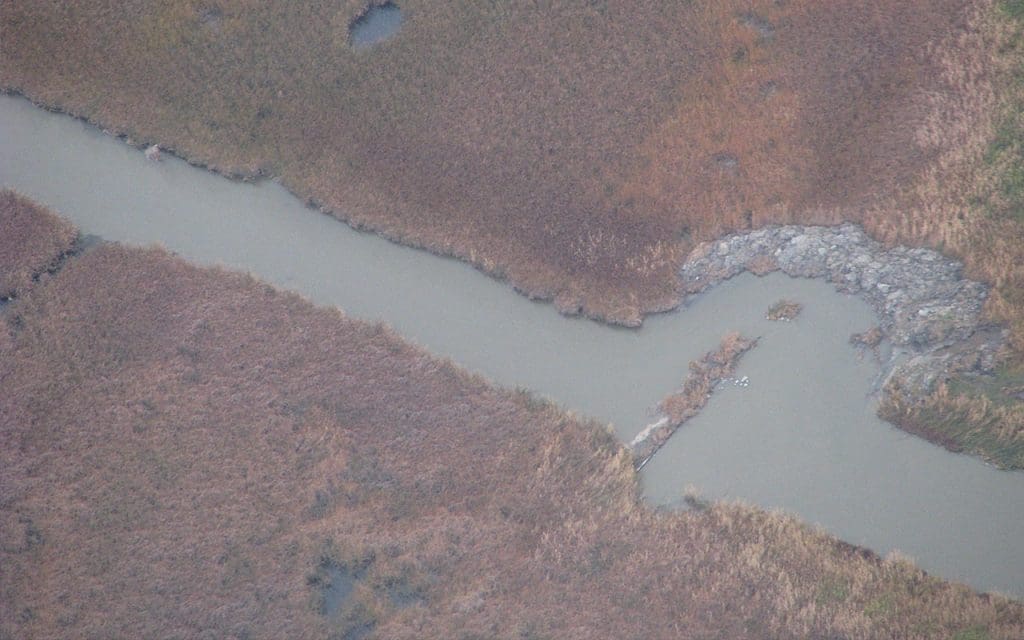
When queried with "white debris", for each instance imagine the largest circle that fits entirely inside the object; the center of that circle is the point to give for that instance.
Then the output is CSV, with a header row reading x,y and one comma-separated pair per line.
x,y
737,382
646,433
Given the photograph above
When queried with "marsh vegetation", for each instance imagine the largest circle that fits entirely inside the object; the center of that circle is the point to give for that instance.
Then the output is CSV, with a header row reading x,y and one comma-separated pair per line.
x,y
577,149
158,420
32,241
214,451
784,310
684,403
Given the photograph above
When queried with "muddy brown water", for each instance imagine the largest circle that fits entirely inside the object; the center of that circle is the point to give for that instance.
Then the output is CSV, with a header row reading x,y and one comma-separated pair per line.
x,y
801,436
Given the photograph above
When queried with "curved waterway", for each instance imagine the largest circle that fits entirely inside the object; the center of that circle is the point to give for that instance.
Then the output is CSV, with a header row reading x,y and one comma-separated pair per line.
x,y
802,436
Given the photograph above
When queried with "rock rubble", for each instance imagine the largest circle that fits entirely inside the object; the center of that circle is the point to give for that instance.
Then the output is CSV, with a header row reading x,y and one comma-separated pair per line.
x,y
929,313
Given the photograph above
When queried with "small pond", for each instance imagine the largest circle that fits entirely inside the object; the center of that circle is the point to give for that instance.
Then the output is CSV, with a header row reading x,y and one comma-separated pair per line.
x,y
381,21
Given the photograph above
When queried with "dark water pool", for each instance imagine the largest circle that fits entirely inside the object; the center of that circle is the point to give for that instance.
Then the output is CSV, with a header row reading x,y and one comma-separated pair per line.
x,y
378,23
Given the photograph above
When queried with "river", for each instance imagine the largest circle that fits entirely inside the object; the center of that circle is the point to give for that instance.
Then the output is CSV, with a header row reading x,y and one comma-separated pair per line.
x,y
802,436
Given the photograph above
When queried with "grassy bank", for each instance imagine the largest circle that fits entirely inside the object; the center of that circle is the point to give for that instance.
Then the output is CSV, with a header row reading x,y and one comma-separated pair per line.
x,y
980,415
972,204
971,201
187,452
576,148
32,241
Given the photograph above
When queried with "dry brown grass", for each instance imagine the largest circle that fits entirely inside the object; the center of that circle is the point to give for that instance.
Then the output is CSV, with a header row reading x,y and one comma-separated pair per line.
x,y
970,200
32,240
704,375
869,339
576,148
979,415
183,451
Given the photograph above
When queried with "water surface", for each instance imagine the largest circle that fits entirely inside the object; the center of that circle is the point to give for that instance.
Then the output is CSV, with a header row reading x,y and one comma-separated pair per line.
x,y
802,436
378,23
340,585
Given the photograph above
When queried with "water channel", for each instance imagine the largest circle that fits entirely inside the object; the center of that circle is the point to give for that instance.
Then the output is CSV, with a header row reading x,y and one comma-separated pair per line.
x,y
802,436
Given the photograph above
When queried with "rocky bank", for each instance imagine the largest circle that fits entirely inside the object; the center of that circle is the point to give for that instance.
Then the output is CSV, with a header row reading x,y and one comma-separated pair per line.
x,y
930,315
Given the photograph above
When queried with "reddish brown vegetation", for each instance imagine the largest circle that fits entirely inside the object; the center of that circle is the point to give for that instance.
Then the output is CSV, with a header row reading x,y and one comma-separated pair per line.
x,y
183,451
32,240
580,149
869,339
704,375
970,200
577,148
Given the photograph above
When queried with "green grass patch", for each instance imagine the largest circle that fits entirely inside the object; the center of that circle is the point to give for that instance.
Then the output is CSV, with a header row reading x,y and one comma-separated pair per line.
x,y
1005,388
1013,8
976,632
1006,154
974,438
977,417
883,606
1006,150
832,589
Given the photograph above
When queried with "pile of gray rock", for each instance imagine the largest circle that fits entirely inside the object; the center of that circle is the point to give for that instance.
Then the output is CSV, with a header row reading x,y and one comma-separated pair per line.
x,y
928,312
